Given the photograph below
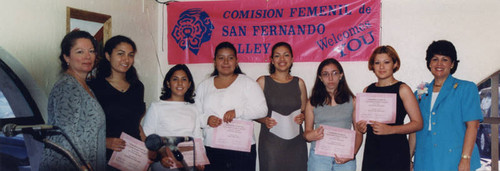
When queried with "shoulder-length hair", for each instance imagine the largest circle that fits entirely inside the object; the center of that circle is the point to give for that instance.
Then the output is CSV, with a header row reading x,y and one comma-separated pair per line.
x,y
166,93
320,96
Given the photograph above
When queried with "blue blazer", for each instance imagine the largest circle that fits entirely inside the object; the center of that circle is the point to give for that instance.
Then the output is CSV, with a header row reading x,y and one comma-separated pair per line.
x,y
441,147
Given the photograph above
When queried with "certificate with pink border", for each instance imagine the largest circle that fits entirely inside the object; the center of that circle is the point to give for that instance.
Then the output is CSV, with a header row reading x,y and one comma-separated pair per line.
x,y
336,141
380,107
133,157
236,135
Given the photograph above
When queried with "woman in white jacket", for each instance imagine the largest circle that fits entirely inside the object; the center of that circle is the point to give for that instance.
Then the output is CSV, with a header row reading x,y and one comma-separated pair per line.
x,y
228,94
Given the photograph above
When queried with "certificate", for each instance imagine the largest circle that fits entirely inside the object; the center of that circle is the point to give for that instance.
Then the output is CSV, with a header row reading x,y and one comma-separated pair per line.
x,y
186,148
286,127
336,141
133,157
380,107
236,135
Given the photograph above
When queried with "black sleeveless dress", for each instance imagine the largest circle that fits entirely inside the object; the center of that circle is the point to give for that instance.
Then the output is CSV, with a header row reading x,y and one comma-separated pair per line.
x,y
387,152
275,153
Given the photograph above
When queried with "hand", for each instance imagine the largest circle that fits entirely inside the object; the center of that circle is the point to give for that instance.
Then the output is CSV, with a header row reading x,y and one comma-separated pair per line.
x,y
214,121
270,122
167,162
341,160
381,129
299,118
361,126
115,144
200,167
316,134
229,116
464,165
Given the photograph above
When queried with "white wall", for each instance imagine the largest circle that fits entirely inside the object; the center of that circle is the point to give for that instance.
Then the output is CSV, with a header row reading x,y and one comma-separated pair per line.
x,y
31,30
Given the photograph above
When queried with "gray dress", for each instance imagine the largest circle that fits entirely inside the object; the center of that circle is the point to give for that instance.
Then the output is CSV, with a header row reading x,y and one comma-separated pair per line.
x,y
339,116
276,153
81,117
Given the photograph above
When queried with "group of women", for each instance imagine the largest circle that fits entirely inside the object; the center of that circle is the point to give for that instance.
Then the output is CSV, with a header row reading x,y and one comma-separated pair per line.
x,y
444,114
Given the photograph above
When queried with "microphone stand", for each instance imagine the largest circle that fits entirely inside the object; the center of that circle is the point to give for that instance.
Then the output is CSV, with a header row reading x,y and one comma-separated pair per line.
x,y
66,153
83,166
179,157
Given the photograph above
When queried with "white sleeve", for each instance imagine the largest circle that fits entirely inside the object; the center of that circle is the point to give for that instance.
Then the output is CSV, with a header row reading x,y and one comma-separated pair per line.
x,y
255,107
197,128
198,101
150,120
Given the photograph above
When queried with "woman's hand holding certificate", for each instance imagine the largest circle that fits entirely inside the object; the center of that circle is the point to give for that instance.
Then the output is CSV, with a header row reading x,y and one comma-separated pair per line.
x,y
236,135
337,142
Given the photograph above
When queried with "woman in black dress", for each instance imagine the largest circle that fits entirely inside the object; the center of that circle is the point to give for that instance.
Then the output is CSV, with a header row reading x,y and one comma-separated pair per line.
x,y
120,93
386,145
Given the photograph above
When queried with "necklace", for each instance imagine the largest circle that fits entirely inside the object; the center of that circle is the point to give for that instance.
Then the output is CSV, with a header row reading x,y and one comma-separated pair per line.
x,y
120,87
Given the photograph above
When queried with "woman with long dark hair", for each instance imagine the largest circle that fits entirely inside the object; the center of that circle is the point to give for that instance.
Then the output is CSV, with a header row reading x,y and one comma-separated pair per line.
x,y
331,103
119,92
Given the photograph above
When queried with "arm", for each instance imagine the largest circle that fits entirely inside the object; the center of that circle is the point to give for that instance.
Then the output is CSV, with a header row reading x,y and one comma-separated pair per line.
x,y
64,108
265,120
469,141
310,134
199,100
412,141
303,99
360,125
411,106
359,135
150,120
255,106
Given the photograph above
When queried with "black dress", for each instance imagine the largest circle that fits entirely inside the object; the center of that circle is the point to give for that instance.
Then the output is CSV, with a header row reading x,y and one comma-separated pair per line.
x,y
124,110
387,152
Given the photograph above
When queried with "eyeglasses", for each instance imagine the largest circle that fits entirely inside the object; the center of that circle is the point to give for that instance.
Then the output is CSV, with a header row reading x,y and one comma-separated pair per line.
x,y
328,74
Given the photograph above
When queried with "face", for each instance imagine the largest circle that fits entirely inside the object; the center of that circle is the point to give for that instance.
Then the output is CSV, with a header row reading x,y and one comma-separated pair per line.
x,y
81,56
330,76
122,58
282,59
383,66
441,66
179,83
225,61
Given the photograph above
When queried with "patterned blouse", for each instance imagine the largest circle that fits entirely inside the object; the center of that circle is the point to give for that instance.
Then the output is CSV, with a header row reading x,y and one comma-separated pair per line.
x,y
81,117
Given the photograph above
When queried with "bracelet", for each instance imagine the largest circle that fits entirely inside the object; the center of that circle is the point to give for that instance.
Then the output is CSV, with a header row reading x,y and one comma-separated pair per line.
x,y
465,156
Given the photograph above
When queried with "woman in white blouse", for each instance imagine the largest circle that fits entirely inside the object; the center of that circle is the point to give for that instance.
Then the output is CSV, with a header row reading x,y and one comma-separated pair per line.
x,y
228,94
174,115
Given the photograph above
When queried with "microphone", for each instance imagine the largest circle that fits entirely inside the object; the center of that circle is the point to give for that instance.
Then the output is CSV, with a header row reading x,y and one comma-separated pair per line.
x,y
11,129
154,142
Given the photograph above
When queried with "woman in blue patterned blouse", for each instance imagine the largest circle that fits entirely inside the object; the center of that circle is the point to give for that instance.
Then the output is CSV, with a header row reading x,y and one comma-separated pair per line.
x,y
73,107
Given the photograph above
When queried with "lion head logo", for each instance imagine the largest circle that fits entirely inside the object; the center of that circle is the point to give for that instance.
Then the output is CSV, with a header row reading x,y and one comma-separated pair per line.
x,y
192,29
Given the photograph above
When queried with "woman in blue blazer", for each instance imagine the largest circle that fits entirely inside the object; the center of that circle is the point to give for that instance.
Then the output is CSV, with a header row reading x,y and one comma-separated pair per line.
x,y
451,113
